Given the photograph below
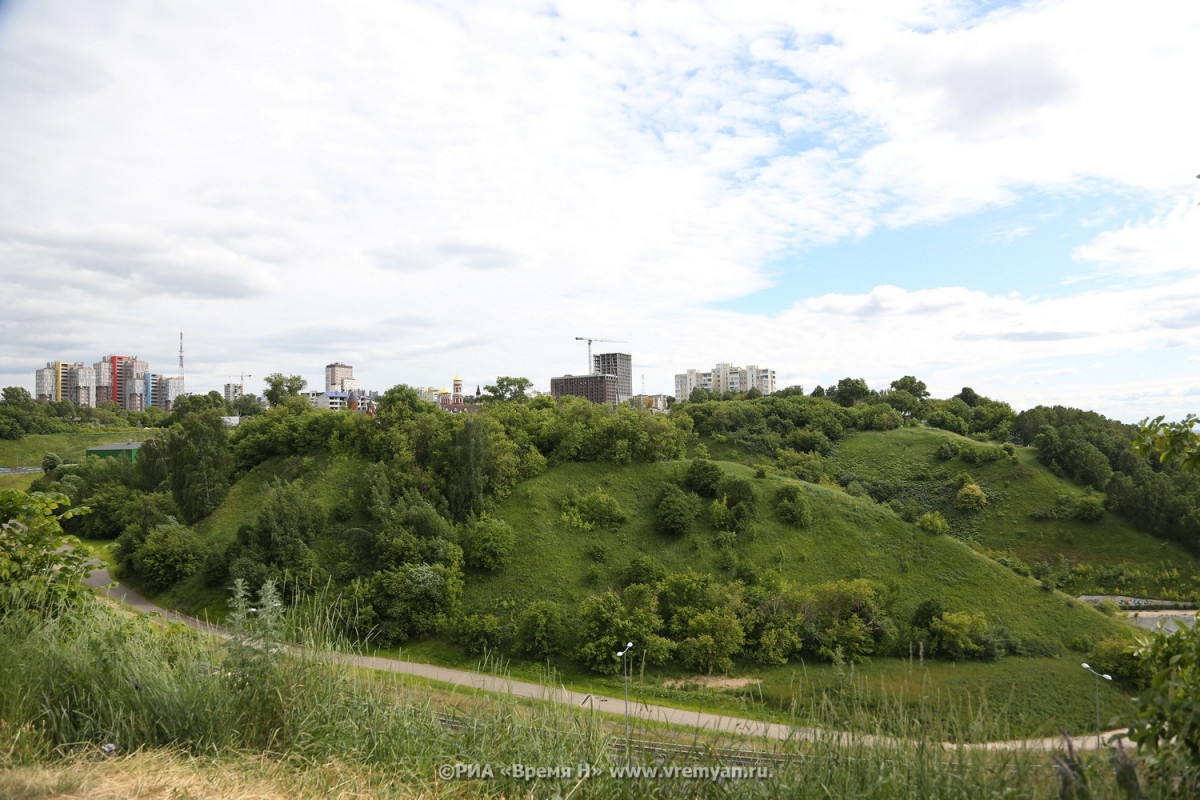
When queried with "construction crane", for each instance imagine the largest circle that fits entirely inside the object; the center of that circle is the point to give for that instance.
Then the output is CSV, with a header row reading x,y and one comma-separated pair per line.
x,y
589,340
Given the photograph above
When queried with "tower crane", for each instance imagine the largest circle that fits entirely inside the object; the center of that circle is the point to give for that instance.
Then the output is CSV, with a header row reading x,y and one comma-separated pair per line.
x,y
241,376
589,340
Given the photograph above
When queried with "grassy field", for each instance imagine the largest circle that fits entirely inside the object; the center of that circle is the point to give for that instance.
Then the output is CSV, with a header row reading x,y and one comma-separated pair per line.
x,y
71,447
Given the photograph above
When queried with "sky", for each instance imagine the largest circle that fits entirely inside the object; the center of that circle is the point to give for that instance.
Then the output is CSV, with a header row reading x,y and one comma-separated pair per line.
x,y
986,194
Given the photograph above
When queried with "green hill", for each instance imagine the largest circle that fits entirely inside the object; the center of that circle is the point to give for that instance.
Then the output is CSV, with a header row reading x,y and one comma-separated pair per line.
x,y
1024,523
849,538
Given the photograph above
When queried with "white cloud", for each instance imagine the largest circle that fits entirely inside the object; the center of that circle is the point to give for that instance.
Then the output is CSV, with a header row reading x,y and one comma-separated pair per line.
x,y
470,186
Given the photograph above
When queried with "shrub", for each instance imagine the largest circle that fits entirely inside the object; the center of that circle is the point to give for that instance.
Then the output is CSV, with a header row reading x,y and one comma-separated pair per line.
x,y
792,507
802,466
675,511
702,477
597,509
933,522
957,634
542,629
488,543
38,567
170,553
946,451
970,498
1165,724
479,633
1118,657
644,569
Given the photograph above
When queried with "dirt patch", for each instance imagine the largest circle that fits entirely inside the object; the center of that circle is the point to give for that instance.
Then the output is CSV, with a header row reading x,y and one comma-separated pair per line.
x,y
711,682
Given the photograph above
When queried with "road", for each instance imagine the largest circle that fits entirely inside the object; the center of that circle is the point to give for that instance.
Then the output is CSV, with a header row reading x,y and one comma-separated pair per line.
x,y
609,705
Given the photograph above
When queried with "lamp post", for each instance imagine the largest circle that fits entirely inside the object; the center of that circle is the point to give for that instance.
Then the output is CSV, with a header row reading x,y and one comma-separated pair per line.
x,y
1106,677
624,656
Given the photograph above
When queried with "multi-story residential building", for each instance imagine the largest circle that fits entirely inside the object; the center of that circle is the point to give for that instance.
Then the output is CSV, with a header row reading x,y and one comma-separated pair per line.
x,y
619,365
725,378
340,378
233,391
596,388
48,382
161,390
81,386
63,380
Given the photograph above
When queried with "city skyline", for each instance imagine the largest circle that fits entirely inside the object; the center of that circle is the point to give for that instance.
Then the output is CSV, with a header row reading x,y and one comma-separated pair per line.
x,y
973,193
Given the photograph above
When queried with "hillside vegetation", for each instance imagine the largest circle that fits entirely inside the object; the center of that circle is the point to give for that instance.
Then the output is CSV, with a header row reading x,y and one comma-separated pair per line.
x,y
743,535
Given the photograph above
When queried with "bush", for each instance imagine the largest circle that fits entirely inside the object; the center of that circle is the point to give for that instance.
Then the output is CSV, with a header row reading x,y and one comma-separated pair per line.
x,y
1118,657
957,634
170,553
479,633
970,498
702,477
542,630
933,522
947,451
597,509
675,511
792,507
644,569
1165,725
488,543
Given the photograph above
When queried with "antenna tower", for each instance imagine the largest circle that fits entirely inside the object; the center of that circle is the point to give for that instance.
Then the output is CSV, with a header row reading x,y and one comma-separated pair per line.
x,y
181,360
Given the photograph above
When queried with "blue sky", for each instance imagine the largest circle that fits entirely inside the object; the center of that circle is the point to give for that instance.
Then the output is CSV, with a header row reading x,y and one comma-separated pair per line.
x,y
978,194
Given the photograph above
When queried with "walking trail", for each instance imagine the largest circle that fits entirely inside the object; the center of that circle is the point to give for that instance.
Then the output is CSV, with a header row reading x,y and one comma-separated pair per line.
x,y
100,579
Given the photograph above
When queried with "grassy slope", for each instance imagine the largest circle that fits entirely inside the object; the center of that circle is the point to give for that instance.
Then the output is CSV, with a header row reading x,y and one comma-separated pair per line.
x,y
850,538
1016,490
29,451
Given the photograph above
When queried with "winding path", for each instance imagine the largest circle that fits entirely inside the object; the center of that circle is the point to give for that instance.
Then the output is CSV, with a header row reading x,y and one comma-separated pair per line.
x,y
100,579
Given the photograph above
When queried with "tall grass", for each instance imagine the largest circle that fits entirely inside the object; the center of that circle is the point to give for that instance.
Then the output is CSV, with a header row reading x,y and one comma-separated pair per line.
x,y
74,681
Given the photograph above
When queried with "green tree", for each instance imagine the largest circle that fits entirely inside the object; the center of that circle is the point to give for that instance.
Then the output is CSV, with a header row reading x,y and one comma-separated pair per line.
x,y
712,638
40,566
850,391
280,386
472,468
199,464
170,553
508,388
911,385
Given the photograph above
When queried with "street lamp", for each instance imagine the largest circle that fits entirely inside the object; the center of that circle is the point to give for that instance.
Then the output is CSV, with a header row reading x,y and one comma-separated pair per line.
x,y
624,656
1106,677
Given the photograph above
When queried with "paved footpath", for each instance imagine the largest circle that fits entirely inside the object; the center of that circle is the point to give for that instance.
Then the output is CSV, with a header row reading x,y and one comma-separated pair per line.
x,y
100,578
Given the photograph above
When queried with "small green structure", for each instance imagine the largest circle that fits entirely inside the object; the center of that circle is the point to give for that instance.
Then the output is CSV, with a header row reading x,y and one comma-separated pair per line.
x,y
126,450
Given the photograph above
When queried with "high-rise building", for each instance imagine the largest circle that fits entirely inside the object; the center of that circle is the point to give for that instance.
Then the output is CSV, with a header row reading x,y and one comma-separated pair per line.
x,y
63,380
725,378
596,388
162,390
233,391
339,378
619,365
